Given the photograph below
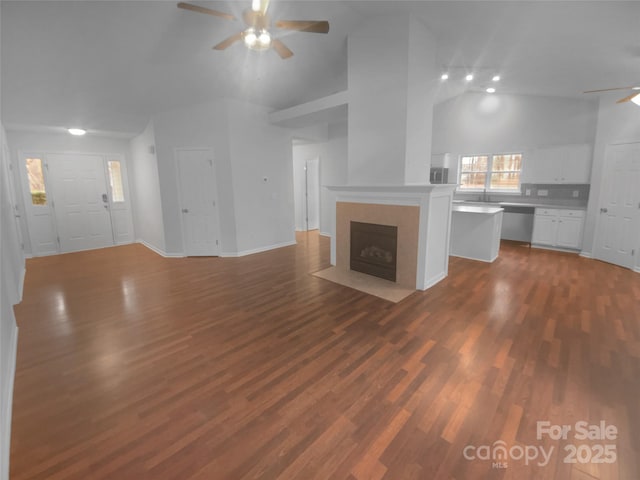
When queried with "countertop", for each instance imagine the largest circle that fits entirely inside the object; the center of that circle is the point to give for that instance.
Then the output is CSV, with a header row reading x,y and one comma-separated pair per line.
x,y
516,204
486,210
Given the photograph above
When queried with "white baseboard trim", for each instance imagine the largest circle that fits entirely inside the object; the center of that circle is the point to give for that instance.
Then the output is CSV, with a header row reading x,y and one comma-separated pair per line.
x,y
325,234
555,249
637,269
5,441
433,280
160,252
476,259
243,253
586,254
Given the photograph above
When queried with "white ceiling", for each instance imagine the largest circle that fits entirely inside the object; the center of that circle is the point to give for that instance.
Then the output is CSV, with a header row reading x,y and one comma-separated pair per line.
x,y
108,65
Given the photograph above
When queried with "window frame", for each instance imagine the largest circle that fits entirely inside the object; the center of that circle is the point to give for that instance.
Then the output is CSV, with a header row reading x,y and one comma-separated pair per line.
x,y
489,172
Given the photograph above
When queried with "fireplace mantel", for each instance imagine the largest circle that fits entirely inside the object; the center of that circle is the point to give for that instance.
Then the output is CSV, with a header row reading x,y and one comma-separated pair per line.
x,y
426,230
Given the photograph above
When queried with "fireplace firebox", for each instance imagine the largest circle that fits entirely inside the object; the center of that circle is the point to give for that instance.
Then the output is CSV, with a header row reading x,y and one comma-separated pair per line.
x,y
374,249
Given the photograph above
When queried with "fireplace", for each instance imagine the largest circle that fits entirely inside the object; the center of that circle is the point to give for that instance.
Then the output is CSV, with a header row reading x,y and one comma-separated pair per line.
x,y
374,249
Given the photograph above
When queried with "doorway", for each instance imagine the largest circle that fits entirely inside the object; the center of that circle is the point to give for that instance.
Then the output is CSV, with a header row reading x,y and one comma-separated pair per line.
x,y
619,214
306,174
198,202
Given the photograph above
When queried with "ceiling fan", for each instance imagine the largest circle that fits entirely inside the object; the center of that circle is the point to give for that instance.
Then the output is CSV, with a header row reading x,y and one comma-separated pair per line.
x,y
257,35
634,97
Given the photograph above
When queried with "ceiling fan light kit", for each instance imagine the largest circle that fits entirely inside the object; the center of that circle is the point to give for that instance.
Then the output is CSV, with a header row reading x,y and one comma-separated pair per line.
x,y
257,36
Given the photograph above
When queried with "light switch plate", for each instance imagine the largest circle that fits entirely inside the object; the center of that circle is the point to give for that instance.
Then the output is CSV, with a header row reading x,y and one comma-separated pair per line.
x,y
576,193
543,193
527,192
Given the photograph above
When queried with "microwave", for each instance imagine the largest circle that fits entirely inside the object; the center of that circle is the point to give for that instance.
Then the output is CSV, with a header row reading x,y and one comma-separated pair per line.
x,y
439,175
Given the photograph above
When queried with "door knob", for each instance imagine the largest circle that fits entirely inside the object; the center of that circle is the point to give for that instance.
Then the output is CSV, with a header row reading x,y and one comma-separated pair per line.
x,y
105,198
603,210
185,210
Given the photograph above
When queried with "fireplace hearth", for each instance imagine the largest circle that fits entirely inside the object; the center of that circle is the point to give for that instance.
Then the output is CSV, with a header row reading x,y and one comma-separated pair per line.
x,y
374,249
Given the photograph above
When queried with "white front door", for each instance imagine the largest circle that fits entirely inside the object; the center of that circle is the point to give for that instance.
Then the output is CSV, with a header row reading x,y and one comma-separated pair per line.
x,y
81,199
618,224
38,204
198,202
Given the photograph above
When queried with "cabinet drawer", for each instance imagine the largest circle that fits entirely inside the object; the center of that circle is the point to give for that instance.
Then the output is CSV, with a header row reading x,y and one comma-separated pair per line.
x,y
547,212
571,213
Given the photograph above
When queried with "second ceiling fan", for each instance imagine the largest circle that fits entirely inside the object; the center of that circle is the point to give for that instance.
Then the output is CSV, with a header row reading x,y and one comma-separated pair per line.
x,y
257,35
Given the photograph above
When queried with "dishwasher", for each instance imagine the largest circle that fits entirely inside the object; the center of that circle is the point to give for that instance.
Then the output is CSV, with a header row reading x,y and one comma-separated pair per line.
x,y
517,223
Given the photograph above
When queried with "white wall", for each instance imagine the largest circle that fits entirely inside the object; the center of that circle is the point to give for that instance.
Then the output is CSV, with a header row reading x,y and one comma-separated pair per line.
x,y
617,123
38,142
145,191
333,168
254,214
11,277
198,126
259,150
483,123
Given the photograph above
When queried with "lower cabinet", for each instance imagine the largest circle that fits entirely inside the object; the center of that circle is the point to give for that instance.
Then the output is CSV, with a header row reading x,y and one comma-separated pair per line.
x,y
559,228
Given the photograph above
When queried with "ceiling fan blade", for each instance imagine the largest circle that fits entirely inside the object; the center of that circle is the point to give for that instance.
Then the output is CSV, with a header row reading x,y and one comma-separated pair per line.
x,y
226,43
311,26
629,98
208,11
281,48
608,89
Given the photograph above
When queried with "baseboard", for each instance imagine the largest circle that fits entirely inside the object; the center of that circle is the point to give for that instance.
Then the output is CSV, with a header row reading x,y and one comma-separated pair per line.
x,y
243,253
325,234
476,259
6,423
555,249
637,269
586,254
433,280
160,252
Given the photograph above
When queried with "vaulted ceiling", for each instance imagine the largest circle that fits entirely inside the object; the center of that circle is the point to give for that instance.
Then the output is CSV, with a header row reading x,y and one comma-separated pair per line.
x,y
109,65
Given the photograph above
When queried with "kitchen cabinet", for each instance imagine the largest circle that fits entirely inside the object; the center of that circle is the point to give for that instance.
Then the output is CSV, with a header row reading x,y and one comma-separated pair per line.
x,y
561,228
561,164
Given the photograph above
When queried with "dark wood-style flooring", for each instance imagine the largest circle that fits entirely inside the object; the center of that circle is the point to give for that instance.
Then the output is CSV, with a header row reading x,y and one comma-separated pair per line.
x,y
134,366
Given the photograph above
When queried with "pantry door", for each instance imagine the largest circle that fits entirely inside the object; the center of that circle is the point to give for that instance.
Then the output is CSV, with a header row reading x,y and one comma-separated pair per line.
x,y
619,212
197,185
81,201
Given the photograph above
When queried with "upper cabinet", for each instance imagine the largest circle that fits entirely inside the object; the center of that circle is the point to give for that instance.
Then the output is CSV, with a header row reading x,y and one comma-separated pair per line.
x,y
560,164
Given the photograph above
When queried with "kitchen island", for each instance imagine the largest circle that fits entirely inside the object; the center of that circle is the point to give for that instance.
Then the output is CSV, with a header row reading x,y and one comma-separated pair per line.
x,y
475,232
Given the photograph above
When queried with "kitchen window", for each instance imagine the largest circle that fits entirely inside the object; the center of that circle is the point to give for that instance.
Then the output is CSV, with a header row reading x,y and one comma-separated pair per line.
x,y
497,173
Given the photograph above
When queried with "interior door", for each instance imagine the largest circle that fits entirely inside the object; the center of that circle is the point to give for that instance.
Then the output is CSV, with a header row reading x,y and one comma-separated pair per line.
x,y
81,206
312,170
198,202
618,226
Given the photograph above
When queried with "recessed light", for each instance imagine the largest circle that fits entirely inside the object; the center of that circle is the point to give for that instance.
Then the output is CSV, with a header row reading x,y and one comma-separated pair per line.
x,y
496,78
469,77
444,76
491,90
77,131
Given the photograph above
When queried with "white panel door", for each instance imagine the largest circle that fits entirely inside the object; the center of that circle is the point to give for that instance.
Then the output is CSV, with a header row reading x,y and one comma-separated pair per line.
x,y
198,202
618,224
81,201
312,170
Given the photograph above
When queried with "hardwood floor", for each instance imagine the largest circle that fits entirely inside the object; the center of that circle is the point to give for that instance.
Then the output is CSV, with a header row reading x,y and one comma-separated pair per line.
x,y
133,366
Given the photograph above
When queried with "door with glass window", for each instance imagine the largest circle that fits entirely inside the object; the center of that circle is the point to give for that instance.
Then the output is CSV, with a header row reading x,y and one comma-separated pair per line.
x,y
38,205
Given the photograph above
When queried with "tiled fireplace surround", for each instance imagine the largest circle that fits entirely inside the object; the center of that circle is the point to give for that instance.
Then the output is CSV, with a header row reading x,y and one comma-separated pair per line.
x,y
422,214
